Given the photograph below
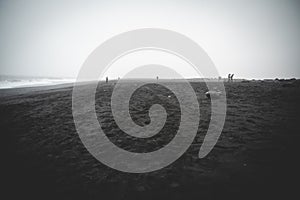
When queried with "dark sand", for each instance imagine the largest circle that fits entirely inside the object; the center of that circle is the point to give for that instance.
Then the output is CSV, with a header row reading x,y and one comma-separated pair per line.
x,y
256,157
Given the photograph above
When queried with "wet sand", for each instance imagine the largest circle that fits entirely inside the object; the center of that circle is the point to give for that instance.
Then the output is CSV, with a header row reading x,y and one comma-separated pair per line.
x,y
257,155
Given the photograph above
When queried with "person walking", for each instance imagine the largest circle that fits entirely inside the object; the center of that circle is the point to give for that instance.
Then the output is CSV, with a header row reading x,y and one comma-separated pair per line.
x,y
231,77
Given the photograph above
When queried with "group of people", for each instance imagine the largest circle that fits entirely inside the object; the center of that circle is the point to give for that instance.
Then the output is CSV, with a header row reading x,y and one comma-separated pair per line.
x,y
230,77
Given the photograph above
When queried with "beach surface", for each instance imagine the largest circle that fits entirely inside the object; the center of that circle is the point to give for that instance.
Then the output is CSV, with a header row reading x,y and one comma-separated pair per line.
x,y
256,157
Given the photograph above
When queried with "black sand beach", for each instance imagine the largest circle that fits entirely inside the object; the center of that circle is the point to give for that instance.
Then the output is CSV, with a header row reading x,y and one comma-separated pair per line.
x,y
256,157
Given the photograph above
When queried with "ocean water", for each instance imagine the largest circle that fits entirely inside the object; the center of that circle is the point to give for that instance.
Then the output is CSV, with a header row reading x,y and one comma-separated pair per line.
x,y
7,82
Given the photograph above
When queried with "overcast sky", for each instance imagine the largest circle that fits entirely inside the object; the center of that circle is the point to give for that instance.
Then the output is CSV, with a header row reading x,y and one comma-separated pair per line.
x,y
252,39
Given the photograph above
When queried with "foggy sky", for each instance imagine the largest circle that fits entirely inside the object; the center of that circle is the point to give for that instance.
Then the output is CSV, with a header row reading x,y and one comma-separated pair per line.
x,y
252,39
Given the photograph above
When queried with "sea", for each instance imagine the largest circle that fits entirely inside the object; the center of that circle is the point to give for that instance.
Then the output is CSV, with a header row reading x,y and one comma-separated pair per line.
x,y
8,81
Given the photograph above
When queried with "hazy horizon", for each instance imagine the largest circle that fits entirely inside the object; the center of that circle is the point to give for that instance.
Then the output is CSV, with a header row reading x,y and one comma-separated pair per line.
x,y
141,78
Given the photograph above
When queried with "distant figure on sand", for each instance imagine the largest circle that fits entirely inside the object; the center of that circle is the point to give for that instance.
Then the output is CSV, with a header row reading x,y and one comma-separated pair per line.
x,y
157,78
231,77
106,80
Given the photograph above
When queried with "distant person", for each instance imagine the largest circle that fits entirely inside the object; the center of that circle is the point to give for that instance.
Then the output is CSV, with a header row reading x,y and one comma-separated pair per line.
x,y
231,77
106,80
157,78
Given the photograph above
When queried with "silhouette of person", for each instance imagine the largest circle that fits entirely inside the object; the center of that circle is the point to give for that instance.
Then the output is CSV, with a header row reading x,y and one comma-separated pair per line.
x,y
106,80
157,78
231,77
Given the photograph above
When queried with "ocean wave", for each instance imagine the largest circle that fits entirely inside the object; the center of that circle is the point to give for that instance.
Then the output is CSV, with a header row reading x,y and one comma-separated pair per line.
x,y
32,82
